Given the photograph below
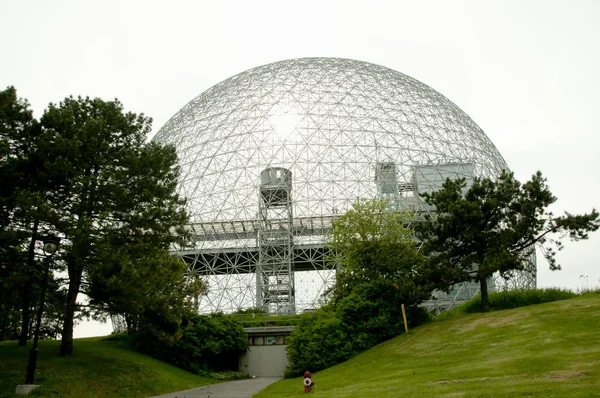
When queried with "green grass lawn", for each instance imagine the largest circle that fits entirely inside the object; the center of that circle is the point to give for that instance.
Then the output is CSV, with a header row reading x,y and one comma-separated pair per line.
x,y
98,368
545,350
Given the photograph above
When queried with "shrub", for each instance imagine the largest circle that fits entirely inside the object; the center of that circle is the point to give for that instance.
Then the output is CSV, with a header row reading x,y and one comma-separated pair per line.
x,y
367,316
379,268
202,343
318,342
227,375
263,319
119,336
212,341
249,311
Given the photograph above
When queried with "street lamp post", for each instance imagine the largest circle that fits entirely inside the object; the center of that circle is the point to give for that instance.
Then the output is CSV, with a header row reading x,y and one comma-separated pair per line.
x,y
50,246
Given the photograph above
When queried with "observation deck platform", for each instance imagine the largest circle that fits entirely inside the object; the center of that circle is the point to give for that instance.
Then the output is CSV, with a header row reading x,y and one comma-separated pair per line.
x,y
243,260
248,229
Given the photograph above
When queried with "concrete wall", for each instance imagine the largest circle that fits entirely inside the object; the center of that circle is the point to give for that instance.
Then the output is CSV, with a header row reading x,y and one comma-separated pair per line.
x,y
264,360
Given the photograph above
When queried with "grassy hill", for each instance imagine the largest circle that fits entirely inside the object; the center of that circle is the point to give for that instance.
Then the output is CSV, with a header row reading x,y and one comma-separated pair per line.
x,y
98,368
546,350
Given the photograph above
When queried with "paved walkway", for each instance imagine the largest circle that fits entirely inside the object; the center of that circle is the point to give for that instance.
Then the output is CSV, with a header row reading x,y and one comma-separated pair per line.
x,y
229,389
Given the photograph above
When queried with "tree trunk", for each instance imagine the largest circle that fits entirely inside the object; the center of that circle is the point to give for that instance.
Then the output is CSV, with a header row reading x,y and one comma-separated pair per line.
x,y
485,304
25,313
66,344
27,286
130,324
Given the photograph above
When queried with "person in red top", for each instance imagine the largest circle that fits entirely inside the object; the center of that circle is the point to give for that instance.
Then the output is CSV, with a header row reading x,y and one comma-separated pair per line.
x,y
308,383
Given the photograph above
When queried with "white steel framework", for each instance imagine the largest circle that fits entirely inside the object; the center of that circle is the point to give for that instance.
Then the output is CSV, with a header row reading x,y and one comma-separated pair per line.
x,y
274,272
340,130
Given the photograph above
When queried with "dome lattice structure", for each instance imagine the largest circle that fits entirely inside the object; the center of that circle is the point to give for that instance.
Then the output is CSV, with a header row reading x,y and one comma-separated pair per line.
x,y
271,156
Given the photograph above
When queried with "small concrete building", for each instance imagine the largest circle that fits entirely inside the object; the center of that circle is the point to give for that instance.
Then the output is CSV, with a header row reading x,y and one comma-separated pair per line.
x,y
267,355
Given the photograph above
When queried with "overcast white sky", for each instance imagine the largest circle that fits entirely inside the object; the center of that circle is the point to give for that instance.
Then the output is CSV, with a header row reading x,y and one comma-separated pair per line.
x,y
528,72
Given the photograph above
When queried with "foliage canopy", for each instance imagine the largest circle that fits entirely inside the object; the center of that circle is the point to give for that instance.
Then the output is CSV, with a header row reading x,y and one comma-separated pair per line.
x,y
372,245
493,227
25,185
85,173
379,269
200,343
112,188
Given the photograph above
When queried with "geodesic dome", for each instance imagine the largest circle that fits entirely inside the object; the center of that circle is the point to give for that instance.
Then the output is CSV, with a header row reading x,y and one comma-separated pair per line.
x,y
337,130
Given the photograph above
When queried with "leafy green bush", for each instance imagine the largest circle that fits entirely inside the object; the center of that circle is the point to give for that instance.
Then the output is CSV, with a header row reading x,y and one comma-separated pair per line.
x,y
369,315
227,375
213,341
379,268
249,311
202,343
319,341
119,336
510,299
263,319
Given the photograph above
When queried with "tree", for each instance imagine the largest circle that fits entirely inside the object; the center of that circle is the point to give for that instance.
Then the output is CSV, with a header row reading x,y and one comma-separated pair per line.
x,y
10,296
13,276
24,183
108,183
379,269
372,245
493,227
17,130
140,283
